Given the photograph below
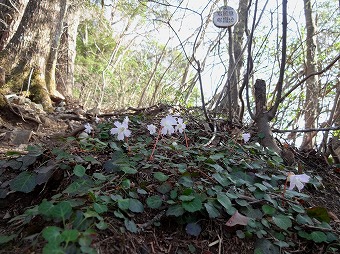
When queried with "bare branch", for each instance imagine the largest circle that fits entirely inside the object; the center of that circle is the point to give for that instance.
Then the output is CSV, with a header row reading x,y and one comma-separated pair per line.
x,y
273,110
307,77
308,130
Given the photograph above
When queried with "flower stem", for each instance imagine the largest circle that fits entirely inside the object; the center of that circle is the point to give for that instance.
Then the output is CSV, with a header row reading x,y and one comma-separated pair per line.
x,y
186,139
127,142
154,146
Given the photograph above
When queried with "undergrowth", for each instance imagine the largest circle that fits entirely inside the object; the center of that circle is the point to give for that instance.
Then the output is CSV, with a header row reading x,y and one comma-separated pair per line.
x,y
102,177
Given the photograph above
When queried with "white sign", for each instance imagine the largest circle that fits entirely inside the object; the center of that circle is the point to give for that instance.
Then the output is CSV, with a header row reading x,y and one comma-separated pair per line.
x,y
225,17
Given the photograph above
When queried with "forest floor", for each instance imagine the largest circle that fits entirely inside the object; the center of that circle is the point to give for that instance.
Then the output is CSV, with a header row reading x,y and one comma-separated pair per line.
x,y
152,232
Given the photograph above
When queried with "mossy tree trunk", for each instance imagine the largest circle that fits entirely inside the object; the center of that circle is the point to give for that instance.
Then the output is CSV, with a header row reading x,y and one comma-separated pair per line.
x,y
30,56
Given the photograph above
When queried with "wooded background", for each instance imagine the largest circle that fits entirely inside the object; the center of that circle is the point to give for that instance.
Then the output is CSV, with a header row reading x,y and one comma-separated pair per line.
x,y
280,69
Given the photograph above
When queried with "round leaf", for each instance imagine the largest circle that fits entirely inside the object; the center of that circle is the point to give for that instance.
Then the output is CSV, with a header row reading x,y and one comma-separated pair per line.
x,y
61,210
70,235
100,208
175,210
192,206
52,234
136,206
79,170
282,221
267,209
160,176
24,182
318,236
193,229
154,201
224,200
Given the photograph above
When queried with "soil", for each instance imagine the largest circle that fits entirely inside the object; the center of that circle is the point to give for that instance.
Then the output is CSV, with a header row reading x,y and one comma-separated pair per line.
x,y
46,129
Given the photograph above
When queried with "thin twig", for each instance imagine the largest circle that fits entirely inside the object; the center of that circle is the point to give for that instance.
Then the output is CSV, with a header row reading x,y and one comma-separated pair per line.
x,y
308,130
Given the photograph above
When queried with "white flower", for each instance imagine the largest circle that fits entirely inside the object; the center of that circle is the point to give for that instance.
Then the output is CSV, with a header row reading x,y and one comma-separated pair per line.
x,y
246,137
121,129
88,128
151,128
298,181
180,127
97,119
126,121
167,125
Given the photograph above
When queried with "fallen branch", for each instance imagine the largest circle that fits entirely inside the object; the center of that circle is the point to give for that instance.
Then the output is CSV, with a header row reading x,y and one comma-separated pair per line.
x,y
308,130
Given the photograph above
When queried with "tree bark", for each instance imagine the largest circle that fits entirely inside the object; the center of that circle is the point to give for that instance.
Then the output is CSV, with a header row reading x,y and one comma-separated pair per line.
x,y
262,117
311,101
67,52
11,13
33,48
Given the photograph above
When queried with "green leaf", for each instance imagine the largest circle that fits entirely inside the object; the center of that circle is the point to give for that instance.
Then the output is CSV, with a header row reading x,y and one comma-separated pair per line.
x,y
267,209
45,207
241,202
217,156
128,170
282,221
264,246
186,198
126,183
100,208
100,176
304,234
282,244
224,200
79,170
154,201
52,234
124,203
175,210
136,206
164,188
260,186
304,219
24,182
130,225
102,225
62,210
160,176
70,235
318,236
193,206
212,210
119,214
6,238
298,208
52,248
222,179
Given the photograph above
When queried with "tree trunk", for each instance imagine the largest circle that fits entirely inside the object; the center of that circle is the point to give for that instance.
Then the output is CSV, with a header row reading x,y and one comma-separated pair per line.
x,y
262,117
235,52
311,102
33,49
53,53
11,13
67,52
